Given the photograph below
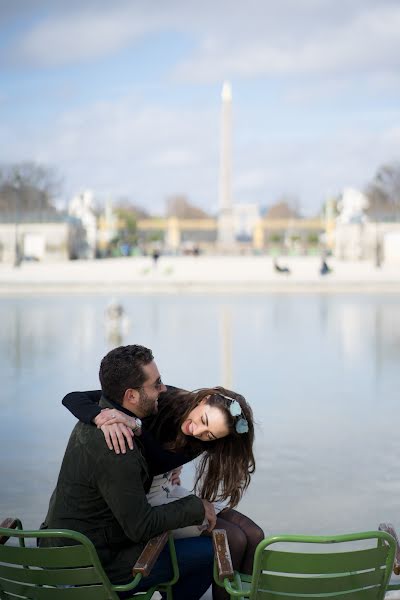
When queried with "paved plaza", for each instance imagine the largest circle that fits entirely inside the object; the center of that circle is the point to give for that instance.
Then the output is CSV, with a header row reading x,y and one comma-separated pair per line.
x,y
175,274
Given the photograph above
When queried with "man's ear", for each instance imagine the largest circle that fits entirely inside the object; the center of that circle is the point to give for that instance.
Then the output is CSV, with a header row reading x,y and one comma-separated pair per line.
x,y
131,398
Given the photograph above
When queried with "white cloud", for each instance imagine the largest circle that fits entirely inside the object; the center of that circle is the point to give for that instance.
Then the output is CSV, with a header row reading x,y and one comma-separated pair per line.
x,y
175,157
246,39
367,40
251,179
76,37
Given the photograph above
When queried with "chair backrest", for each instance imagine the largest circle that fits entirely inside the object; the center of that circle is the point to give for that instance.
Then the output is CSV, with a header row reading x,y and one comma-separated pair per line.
x,y
353,572
70,572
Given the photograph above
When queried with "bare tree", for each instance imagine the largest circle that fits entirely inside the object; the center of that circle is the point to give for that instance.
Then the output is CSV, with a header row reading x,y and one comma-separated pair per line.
x,y
126,206
285,208
179,206
30,185
383,193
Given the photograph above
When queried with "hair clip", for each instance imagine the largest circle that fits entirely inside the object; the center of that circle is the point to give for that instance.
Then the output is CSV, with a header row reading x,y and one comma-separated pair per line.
x,y
242,426
235,409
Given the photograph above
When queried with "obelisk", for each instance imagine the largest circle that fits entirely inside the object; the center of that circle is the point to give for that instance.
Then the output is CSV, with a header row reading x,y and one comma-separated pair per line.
x,y
225,218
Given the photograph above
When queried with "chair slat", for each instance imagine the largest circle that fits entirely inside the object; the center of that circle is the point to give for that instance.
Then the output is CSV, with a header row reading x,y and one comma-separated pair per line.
x,y
319,584
369,594
65,556
24,591
340,562
76,576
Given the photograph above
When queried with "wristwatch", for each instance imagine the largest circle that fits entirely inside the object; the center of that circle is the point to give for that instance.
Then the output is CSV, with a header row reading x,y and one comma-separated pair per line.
x,y
138,424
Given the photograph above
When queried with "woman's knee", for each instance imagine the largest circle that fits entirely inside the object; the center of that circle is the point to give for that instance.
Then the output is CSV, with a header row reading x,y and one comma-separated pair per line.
x,y
252,531
236,537
256,534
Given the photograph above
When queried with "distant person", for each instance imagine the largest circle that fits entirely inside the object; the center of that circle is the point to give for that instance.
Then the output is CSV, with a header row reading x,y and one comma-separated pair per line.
x,y
103,494
324,269
156,255
280,269
378,254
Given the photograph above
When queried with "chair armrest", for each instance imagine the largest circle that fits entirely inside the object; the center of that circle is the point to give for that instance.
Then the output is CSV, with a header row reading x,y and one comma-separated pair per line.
x,y
149,555
222,554
388,527
8,523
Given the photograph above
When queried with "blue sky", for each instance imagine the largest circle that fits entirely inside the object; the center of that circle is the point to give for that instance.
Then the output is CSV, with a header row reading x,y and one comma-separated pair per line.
x,y
124,98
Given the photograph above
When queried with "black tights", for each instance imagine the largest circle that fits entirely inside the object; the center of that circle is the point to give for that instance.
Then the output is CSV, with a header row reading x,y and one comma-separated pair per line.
x,y
243,537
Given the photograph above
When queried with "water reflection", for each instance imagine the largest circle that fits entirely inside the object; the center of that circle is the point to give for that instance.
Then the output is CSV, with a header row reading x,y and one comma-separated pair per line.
x,y
116,323
226,347
321,373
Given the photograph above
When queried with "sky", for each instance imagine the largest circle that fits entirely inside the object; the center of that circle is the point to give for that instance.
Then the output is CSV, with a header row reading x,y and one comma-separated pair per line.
x,y
124,97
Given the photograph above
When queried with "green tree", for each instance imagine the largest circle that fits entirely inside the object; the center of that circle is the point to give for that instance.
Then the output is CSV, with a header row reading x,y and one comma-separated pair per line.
x,y
128,215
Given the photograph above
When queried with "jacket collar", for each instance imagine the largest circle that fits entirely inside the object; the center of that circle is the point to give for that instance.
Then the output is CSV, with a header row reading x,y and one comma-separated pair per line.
x,y
106,402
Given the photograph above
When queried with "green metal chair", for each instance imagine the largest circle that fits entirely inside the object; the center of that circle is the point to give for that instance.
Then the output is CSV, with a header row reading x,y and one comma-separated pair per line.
x,y
70,572
293,573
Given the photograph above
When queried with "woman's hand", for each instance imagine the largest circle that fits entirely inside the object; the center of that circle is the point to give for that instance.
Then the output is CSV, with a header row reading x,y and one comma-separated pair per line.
x,y
174,477
109,416
117,435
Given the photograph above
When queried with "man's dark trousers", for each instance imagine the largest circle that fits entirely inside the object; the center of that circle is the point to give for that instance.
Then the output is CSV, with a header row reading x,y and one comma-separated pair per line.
x,y
195,559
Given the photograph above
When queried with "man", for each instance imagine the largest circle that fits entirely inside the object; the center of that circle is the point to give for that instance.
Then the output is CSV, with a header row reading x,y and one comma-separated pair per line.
x,y
103,494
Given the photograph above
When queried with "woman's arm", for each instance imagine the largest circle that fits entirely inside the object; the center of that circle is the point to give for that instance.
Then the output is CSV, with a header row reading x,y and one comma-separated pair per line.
x,y
159,459
83,405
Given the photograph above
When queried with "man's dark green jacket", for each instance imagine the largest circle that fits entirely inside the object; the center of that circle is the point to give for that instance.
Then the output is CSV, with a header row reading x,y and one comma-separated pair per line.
x,y
103,495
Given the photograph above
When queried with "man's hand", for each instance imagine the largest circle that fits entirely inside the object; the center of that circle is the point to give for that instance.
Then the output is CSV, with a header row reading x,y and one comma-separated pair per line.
x,y
209,514
116,437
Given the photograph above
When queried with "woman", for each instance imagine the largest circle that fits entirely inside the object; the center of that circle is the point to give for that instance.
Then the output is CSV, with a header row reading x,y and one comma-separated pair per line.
x,y
213,424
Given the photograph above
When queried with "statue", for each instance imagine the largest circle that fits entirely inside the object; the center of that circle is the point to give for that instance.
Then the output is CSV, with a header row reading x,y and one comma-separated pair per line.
x,y
352,207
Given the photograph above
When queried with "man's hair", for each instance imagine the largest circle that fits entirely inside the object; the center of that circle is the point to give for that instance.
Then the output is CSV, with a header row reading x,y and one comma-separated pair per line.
x,y
122,369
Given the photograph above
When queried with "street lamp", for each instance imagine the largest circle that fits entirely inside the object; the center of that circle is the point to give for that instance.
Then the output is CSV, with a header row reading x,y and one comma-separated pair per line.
x,y
378,246
17,191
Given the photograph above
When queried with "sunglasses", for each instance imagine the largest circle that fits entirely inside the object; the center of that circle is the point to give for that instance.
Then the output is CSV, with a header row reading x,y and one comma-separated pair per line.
x,y
235,409
157,385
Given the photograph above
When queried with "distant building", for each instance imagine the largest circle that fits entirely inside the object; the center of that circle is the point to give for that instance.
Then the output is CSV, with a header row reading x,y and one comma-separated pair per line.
x,y
52,237
252,233
245,219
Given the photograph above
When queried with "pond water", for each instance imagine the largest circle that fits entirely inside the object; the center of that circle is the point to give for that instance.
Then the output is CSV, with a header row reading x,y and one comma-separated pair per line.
x,y
320,371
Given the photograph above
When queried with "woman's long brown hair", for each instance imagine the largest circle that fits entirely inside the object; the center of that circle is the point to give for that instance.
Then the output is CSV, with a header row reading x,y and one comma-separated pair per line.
x,y
225,465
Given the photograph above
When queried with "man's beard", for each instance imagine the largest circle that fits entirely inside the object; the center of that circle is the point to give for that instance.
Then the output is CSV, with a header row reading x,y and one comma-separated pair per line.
x,y
147,405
